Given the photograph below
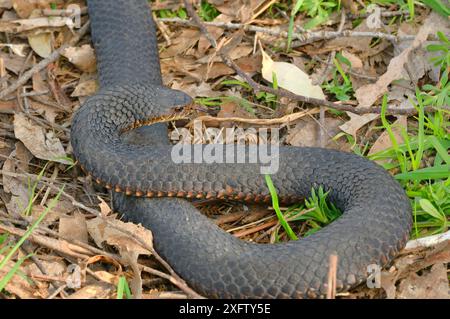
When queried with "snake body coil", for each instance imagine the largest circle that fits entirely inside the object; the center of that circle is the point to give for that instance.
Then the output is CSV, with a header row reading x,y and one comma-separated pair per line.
x,y
376,212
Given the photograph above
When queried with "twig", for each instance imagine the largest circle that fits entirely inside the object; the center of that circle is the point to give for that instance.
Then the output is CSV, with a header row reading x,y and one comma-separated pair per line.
x,y
347,107
332,272
303,38
429,241
44,63
282,120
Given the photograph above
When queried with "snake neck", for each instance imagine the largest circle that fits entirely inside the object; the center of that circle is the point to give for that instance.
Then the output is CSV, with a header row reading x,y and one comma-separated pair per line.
x,y
116,42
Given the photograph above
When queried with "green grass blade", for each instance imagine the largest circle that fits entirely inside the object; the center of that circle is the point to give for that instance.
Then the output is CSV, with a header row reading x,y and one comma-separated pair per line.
x,y
294,12
123,288
4,281
276,207
438,6
429,173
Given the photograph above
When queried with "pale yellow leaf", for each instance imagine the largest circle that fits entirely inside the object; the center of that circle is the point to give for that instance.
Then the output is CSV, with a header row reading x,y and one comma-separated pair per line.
x,y
290,77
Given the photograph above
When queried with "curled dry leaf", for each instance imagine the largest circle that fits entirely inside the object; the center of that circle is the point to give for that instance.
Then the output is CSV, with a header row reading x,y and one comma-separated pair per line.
x,y
290,77
42,144
129,248
104,207
109,231
82,57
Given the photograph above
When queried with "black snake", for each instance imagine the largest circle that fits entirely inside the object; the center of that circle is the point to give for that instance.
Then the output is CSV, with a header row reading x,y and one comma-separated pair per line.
x,y
376,216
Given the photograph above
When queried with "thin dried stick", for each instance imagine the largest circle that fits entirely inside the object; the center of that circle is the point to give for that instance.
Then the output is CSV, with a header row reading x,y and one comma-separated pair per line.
x,y
332,272
282,120
303,38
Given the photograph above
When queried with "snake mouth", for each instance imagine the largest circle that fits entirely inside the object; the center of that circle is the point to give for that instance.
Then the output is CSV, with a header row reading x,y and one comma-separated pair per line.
x,y
185,112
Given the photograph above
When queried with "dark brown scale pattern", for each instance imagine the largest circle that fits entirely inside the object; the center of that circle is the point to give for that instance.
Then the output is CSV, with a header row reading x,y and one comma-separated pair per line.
x,y
377,214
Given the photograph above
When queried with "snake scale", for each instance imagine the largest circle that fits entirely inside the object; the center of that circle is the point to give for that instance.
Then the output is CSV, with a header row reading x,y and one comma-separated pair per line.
x,y
137,166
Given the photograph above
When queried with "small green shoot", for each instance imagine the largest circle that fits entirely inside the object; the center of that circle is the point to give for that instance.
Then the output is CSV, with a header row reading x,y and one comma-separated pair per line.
x,y
276,207
123,288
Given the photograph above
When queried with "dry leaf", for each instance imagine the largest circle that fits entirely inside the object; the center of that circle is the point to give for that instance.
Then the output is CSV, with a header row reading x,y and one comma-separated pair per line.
x,y
306,133
18,49
86,88
22,25
384,141
6,4
48,112
39,85
102,231
367,95
290,77
17,162
194,90
82,57
99,290
430,285
104,207
74,227
356,122
43,145
41,44
14,63
52,268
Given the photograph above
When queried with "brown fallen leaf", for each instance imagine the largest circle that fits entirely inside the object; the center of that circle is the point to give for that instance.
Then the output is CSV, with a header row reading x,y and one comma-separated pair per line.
x,y
43,145
193,90
86,88
82,57
104,207
356,122
181,43
384,141
102,231
99,290
41,43
39,85
48,112
74,227
367,95
306,133
14,63
433,284
128,247
17,162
